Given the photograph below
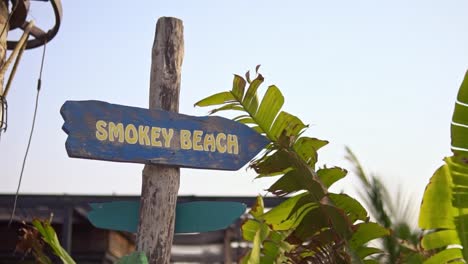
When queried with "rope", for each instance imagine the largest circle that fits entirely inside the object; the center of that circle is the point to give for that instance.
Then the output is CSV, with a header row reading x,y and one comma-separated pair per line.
x,y
39,82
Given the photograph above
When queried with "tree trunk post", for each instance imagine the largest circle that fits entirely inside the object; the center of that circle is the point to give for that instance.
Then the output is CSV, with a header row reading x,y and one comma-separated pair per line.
x,y
161,183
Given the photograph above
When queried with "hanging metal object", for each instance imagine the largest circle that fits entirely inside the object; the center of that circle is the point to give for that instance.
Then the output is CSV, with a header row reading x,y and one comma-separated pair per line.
x,y
18,20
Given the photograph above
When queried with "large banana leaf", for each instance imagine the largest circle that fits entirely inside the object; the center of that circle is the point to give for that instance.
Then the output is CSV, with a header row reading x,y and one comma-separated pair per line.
x,y
444,209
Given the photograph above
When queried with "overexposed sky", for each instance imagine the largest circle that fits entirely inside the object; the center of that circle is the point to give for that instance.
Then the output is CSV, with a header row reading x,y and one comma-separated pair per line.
x,y
380,78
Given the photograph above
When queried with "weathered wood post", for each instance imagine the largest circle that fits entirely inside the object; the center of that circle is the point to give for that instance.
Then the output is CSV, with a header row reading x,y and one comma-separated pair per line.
x,y
4,28
161,183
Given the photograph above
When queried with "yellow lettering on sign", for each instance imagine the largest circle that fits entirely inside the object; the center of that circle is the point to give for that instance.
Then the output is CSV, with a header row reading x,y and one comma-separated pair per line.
x,y
116,131
155,133
209,143
154,136
185,142
131,134
143,137
197,134
221,146
232,145
167,135
101,132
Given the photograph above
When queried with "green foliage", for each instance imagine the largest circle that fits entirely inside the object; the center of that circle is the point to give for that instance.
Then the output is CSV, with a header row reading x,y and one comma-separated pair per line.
x,y
50,237
312,225
401,246
444,212
34,238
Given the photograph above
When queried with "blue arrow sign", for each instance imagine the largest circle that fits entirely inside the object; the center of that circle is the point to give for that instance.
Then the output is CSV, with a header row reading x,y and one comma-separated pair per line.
x,y
103,131
192,217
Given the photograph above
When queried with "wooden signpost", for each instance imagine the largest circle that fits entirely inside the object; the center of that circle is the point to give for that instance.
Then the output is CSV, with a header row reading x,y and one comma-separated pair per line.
x,y
164,141
99,130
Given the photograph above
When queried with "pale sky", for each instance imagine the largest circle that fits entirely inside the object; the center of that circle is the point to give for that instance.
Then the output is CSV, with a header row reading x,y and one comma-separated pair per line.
x,y
380,78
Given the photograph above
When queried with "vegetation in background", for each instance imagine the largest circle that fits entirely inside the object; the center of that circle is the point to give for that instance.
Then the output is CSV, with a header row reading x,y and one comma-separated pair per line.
x,y
444,209
313,225
40,237
392,212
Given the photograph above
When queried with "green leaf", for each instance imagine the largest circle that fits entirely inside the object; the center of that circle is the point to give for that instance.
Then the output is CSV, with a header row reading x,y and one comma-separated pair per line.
x,y
269,108
289,214
257,208
41,258
366,232
246,257
50,237
294,181
249,229
286,123
322,218
237,118
255,253
307,148
439,239
459,127
459,138
238,86
460,197
246,121
445,256
447,192
247,76
437,198
459,178
280,213
296,216
134,258
231,106
258,129
363,252
216,99
270,252
251,101
308,199
415,258
331,175
276,163
350,206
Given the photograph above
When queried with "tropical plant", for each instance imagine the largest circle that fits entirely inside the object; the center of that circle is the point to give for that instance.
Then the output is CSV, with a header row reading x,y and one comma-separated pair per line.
x,y
313,225
35,238
444,213
39,237
394,213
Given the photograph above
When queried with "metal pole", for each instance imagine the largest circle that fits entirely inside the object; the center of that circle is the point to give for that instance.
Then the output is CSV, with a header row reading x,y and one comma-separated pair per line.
x,y
161,183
